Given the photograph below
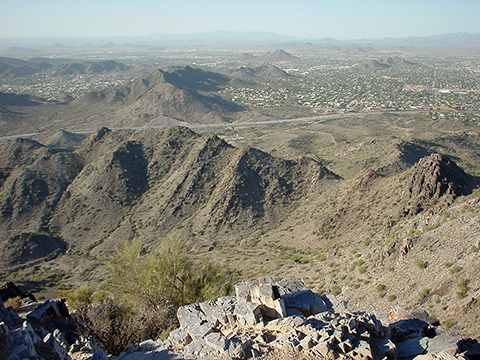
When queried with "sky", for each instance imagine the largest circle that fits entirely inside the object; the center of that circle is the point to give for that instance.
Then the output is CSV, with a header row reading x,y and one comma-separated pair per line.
x,y
307,19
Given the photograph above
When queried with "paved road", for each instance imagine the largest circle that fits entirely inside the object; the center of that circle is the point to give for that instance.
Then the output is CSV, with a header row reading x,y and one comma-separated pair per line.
x,y
320,118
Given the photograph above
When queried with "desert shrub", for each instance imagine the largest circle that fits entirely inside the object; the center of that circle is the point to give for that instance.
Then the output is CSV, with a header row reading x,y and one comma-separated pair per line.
x,y
115,326
336,290
144,292
167,278
424,293
15,303
380,287
391,298
448,324
462,288
455,269
422,264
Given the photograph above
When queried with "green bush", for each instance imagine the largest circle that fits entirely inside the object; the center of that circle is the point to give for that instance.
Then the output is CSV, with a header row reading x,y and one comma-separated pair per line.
x,y
169,277
391,298
336,290
424,293
422,264
463,288
455,269
144,292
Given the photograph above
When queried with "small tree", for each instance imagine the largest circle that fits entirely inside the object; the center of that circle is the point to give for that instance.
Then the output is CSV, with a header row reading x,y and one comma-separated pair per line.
x,y
167,278
146,290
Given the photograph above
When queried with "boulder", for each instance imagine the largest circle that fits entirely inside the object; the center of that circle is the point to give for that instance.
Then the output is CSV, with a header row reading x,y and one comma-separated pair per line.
x,y
247,314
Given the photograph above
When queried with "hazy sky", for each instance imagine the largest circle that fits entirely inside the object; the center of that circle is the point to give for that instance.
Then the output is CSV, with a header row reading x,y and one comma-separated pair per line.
x,y
341,19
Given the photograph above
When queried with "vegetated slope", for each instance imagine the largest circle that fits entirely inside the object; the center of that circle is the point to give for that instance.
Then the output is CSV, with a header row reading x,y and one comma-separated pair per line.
x,y
187,94
409,240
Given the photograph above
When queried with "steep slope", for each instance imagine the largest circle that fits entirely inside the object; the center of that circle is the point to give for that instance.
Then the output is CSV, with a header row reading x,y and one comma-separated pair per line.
x,y
120,184
33,180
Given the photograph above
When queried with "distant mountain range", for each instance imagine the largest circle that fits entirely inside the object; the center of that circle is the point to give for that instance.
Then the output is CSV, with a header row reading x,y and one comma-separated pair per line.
x,y
384,63
12,67
15,45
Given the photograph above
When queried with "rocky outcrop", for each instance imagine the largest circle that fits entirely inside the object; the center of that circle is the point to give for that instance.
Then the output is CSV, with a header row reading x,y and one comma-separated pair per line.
x,y
42,330
433,177
274,318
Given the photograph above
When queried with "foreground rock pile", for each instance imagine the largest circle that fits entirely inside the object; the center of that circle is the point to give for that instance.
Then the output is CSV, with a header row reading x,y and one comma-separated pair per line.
x,y
286,319
40,330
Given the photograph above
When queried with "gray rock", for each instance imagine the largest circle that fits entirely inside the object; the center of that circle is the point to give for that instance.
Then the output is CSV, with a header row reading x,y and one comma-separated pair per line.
x,y
242,291
290,286
217,311
322,349
333,304
3,330
48,309
190,315
411,347
370,322
288,342
194,348
98,355
307,342
362,351
180,336
198,332
307,302
286,324
217,341
236,348
444,341
345,346
51,340
247,314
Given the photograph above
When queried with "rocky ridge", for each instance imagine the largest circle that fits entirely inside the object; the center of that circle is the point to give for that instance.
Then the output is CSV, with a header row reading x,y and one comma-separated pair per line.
x,y
266,319
288,320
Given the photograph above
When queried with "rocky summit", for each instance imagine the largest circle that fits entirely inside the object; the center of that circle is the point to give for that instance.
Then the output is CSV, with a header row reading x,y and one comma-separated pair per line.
x,y
266,319
285,319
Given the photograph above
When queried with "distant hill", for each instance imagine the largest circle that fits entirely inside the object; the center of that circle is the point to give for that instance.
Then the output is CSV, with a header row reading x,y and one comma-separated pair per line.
x,y
277,55
11,99
97,67
267,71
384,63
13,67
181,93
246,57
